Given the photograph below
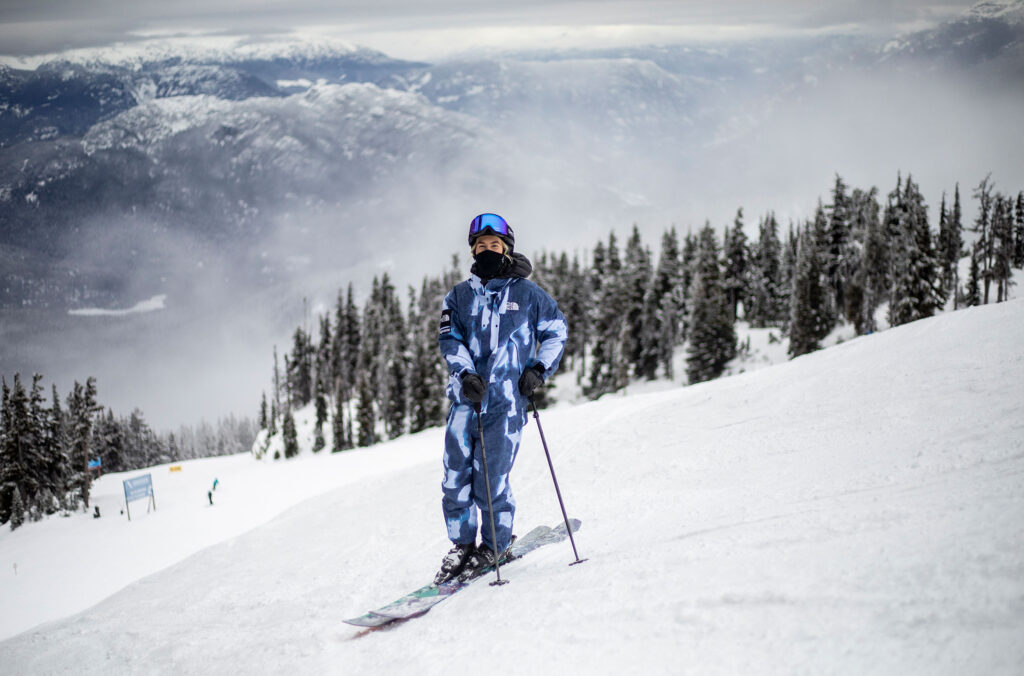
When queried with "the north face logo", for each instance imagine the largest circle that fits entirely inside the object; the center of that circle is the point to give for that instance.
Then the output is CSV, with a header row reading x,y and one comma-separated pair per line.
x,y
511,305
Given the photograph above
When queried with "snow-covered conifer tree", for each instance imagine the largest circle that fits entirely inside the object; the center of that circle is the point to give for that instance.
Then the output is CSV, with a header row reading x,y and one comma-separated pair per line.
x,y
289,435
712,336
605,366
663,308
635,281
17,518
839,227
1002,246
867,281
983,236
765,301
81,407
972,292
736,283
809,320
914,293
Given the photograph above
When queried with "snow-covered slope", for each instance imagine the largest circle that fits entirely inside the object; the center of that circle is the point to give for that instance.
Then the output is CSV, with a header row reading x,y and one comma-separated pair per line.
x,y
855,511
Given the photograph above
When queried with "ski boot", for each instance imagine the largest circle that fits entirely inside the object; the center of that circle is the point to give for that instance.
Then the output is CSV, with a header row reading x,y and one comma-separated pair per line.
x,y
482,560
454,562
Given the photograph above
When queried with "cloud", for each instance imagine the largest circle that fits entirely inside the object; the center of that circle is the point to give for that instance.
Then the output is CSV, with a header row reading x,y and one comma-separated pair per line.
x,y
152,305
408,28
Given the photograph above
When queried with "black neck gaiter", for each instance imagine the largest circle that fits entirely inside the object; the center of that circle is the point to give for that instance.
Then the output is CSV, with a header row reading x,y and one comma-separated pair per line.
x,y
490,265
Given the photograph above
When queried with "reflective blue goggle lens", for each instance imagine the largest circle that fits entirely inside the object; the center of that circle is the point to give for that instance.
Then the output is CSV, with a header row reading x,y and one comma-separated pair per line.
x,y
492,222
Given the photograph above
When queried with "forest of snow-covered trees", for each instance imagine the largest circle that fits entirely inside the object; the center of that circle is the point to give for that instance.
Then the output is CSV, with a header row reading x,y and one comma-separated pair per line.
x,y
375,373
46,451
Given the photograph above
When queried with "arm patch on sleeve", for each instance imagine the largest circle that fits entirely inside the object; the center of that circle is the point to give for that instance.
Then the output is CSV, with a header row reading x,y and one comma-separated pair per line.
x,y
446,322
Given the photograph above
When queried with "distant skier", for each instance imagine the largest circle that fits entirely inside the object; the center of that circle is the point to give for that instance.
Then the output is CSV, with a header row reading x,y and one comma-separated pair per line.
x,y
502,336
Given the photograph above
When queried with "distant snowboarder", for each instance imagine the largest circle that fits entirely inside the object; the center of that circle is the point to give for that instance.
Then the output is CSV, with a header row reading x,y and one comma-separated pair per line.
x,y
502,336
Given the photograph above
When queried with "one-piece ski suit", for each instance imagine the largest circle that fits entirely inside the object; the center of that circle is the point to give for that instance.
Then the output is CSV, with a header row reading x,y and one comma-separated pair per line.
x,y
496,330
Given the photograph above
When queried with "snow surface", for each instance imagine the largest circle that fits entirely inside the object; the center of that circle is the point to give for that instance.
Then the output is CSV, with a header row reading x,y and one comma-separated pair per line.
x,y
857,510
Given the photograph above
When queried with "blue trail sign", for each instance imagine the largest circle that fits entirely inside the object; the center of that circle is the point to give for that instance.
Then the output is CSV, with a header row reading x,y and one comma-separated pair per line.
x,y
137,488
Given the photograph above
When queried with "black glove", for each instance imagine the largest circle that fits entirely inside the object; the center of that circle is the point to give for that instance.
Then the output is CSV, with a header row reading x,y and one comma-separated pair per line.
x,y
473,387
531,379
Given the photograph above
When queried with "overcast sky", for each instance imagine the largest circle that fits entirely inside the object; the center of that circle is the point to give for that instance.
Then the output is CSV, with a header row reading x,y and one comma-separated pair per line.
x,y
423,29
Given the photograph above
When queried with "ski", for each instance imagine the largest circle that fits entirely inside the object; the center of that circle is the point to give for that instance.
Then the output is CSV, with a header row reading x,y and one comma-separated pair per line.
x,y
418,602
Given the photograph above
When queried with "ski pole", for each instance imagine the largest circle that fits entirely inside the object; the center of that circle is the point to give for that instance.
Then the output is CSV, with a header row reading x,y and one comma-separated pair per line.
x,y
490,506
543,441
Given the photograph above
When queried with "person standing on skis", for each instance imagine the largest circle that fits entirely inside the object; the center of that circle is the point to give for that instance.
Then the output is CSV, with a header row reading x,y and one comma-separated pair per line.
x,y
501,336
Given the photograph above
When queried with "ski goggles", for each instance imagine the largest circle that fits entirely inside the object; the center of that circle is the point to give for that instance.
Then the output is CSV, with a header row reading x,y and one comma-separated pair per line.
x,y
489,222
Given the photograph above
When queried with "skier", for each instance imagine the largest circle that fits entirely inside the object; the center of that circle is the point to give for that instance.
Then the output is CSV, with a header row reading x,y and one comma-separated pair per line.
x,y
502,336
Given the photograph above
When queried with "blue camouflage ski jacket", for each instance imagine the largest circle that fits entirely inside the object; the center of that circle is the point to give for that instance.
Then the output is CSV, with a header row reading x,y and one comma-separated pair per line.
x,y
497,331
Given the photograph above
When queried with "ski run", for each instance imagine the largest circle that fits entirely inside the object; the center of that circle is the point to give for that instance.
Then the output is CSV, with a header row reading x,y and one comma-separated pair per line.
x,y
857,510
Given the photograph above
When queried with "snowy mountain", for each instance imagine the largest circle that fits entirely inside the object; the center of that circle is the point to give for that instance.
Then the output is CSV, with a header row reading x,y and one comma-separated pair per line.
x,y
606,126
65,94
987,41
856,510
228,172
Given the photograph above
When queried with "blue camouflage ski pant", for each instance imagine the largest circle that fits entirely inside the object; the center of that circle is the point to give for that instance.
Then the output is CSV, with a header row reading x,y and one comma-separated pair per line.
x,y
464,490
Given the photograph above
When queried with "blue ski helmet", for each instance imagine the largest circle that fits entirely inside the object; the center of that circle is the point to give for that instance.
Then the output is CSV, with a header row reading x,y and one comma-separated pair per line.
x,y
492,224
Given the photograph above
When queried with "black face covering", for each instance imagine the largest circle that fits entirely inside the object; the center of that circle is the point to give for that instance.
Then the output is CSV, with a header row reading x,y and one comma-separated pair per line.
x,y
490,264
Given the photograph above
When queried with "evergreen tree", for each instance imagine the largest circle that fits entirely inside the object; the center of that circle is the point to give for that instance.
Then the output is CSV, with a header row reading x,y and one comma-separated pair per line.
x,y
299,370
1018,232
809,321
323,377
972,294
321,417
109,443
15,480
428,376
366,416
737,255
664,305
950,246
57,454
345,355
983,240
635,282
787,268
712,334
822,237
264,413
765,303
609,308
290,435
914,293
340,430
837,248
370,377
868,283
81,407
393,363
38,495
276,402
1002,246
6,488
17,508
573,294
